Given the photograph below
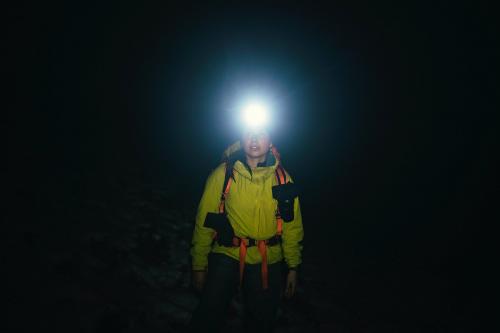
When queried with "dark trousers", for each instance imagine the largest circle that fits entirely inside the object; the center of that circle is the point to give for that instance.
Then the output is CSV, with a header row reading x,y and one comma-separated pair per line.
x,y
222,284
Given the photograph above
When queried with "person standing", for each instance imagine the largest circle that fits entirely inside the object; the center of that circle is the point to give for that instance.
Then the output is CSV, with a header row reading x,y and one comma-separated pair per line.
x,y
248,227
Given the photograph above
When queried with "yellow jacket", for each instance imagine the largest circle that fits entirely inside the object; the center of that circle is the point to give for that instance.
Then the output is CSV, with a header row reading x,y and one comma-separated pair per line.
x,y
251,210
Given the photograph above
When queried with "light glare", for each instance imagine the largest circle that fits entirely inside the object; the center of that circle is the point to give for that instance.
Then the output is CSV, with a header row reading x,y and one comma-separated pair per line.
x,y
255,115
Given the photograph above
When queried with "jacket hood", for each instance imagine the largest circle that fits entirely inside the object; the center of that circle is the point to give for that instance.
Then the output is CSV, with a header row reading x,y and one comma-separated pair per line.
x,y
235,157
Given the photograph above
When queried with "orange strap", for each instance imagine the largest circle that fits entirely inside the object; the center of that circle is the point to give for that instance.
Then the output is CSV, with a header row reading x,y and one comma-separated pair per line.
x,y
264,272
224,196
280,175
261,245
276,154
223,201
243,254
279,222
281,178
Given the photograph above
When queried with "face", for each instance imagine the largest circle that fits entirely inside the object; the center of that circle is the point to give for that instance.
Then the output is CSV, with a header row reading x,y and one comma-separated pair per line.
x,y
256,144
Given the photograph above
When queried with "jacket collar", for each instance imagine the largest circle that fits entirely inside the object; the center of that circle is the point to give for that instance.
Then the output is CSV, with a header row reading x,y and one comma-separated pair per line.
x,y
235,155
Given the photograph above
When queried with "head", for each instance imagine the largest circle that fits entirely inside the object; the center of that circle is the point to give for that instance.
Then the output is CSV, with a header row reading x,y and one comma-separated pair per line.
x,y
256,144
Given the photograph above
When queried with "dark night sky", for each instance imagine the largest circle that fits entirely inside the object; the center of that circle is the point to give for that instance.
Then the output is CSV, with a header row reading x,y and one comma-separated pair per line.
x,y
388,122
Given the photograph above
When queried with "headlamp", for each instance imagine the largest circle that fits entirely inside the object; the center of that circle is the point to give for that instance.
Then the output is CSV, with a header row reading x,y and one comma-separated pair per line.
x,y
255,115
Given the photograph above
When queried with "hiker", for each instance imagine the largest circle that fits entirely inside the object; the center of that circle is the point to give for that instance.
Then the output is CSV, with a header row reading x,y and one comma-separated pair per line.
x,y
248,228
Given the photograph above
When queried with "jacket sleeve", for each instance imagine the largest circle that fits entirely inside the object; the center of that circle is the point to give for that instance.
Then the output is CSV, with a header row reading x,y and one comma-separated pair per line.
x,y
293,233
202,237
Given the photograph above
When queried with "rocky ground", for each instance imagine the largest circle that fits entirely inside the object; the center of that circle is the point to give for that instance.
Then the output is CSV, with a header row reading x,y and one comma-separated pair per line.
x,y
118,261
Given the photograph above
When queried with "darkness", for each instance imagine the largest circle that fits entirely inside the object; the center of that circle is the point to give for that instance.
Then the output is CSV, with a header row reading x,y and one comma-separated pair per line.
x,y
388,124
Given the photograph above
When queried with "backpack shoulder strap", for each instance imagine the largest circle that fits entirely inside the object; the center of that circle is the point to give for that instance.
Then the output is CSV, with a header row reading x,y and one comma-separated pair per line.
x,y
228,179
281,179
280,175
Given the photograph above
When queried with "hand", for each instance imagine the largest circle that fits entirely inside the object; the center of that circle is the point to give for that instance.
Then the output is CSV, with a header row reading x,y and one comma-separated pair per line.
x,y
291,284
199,278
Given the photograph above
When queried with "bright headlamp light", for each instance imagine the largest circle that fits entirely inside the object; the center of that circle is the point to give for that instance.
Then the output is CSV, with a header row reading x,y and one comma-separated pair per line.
x,y
255,115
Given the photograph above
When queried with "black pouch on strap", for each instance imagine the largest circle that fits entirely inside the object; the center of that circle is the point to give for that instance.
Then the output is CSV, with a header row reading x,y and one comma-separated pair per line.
x,y
286,194
221,225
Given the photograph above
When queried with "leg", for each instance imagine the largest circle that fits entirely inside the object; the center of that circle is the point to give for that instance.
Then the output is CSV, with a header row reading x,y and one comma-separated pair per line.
x,y
220,287
261,306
